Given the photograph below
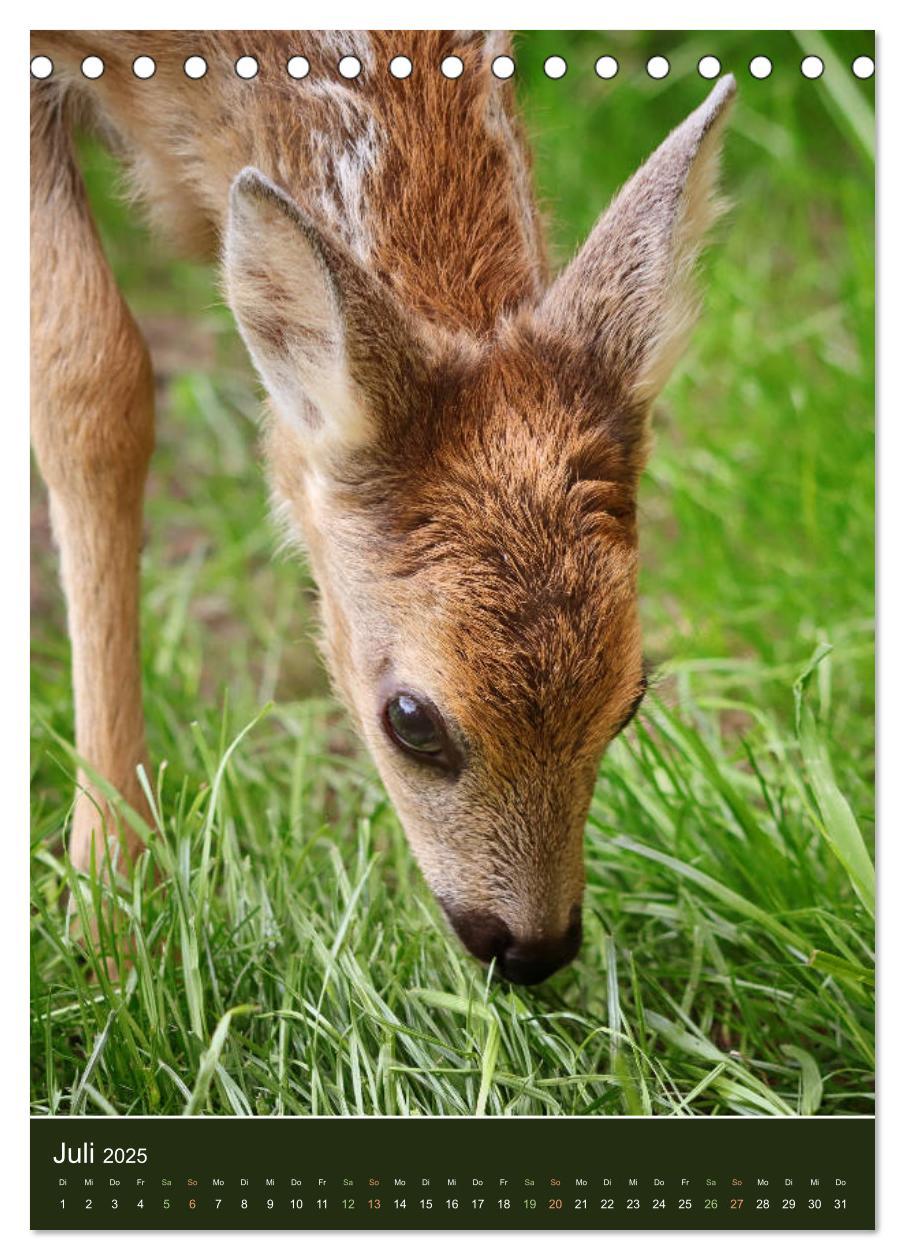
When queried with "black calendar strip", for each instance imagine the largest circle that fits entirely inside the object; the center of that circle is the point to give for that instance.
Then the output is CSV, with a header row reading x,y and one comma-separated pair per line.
x,y
382,1173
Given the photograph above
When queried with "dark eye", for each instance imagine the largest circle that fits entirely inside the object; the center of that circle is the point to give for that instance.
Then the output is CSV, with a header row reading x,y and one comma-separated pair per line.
x,y
415,726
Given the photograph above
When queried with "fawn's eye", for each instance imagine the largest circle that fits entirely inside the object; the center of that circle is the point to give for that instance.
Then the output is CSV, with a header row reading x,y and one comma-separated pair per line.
x,y
415,726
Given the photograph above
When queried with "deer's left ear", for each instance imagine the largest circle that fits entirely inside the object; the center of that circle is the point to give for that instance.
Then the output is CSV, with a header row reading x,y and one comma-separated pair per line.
x,y
337,355
626,303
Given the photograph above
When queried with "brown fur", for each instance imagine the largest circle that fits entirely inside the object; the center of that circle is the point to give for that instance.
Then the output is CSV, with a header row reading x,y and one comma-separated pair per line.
x,y
457,443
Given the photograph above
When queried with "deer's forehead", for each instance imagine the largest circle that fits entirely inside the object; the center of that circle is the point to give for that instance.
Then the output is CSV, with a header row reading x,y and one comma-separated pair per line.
x,y
553,693
507,440
510,511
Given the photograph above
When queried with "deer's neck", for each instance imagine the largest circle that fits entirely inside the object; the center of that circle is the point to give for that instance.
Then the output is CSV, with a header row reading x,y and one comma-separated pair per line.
x,y
427,178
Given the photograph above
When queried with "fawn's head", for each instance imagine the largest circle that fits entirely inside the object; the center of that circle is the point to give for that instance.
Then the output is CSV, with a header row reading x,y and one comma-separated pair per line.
x,y
469,511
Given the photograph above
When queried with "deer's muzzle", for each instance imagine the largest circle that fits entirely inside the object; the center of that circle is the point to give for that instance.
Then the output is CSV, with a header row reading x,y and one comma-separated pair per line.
x,y
519,959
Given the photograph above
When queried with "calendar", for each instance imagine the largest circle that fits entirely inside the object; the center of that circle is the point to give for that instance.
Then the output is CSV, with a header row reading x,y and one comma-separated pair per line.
x,y
453,1174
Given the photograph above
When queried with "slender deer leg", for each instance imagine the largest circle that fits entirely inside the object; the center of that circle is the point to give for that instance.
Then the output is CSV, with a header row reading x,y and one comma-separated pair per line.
x,y
93,433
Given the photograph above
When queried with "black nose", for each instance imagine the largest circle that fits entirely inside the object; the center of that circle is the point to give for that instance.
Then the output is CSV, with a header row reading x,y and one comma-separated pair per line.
x,y
484,935
520,959
530,960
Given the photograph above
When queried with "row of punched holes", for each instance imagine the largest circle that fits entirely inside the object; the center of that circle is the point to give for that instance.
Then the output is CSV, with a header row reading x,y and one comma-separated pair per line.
x,y
401,67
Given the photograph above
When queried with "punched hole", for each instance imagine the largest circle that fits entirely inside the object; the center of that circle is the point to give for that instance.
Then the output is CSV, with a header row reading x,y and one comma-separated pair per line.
x,y
863,67
349,67
246,67
297,67
400,67
606,67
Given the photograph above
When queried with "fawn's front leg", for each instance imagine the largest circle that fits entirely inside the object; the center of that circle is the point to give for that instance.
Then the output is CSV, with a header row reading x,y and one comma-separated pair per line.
x,y
93,433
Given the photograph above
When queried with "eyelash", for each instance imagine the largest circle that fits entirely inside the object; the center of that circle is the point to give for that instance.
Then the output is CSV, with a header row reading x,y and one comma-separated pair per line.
x,y
635,706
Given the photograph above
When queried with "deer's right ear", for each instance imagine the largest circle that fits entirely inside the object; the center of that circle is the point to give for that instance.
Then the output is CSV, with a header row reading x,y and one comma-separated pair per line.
x,y
331,345
626,303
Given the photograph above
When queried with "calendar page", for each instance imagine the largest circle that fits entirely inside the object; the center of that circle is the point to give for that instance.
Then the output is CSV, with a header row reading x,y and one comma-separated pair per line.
x,y
452,630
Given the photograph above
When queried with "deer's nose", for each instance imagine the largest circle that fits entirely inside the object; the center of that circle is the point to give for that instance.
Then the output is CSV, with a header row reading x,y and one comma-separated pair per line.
x,y
484,935
520,959
530,960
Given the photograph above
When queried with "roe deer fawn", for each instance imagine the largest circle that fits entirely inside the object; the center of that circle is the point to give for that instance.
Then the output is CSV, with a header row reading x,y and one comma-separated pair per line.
x,y
456,438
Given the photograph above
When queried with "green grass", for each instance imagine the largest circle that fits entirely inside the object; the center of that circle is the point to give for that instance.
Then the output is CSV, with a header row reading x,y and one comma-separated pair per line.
x,y
288,957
